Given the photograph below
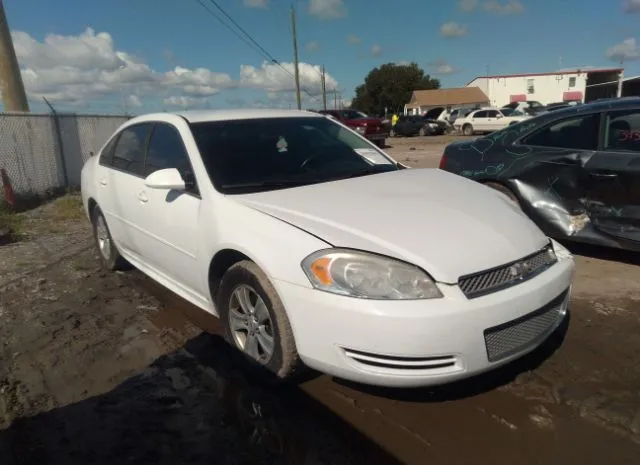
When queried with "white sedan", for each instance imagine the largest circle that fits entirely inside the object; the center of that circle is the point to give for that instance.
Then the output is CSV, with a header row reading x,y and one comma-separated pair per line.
x,y
488,120
313,247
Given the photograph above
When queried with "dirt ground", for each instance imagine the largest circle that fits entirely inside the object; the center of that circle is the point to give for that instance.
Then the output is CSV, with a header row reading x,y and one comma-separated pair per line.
x,y
100,367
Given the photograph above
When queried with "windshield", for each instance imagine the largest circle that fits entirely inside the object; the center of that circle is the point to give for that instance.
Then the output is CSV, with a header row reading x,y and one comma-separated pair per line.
x,y
254,155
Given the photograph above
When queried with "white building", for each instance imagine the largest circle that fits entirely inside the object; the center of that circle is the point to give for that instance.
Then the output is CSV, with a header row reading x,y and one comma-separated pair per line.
x,y
575,84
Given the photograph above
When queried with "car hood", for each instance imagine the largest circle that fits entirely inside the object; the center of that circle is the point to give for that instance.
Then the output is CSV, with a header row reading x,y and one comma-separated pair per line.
x,y
444,223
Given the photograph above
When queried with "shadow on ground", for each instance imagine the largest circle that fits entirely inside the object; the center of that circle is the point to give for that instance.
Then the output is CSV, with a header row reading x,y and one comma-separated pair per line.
x,y
191,406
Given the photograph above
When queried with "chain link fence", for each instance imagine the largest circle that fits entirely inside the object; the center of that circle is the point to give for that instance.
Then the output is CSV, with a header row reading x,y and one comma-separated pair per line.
x,y
45,152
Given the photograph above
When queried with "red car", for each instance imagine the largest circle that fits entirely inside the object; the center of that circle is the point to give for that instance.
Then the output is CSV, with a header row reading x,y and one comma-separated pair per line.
x,y
371,128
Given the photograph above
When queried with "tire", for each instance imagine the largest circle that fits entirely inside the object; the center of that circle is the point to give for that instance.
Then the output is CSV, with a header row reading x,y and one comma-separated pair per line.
x,y
467,130
245,276
109,255
504,190
422,132
381,143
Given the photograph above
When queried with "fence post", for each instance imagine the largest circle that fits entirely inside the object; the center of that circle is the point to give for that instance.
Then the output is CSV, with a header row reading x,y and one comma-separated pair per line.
x,y
56,125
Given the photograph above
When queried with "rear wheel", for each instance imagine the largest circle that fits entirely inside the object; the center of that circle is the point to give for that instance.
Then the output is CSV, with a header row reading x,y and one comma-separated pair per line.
x,y
467,130
504,190
255,321
109,255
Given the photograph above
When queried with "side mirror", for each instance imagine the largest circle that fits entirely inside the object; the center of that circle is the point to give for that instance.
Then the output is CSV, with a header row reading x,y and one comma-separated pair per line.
x,y
499,115
169,178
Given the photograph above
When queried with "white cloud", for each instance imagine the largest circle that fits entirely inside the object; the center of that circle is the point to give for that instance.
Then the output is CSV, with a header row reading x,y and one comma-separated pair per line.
x,y
274,78
441,67
327,9
88,68
376,50
467,5
256,3
631,6
133,101
453,29
312,46
509,7
353,39
183,101
627,50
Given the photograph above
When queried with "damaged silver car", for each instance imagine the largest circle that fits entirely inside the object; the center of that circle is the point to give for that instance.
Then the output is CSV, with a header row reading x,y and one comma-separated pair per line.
x,y
575,172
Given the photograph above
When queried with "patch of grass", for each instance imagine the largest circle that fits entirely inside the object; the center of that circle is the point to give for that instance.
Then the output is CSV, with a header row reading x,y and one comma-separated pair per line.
x,y
11,221
68,207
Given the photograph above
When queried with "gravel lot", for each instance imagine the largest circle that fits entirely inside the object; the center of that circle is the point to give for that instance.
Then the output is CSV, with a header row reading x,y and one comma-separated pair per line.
x,y
110,368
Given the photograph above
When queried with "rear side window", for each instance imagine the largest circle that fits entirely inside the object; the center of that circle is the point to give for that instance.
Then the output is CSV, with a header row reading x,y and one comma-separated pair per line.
x,y
623,131
579,132
129,153
106,156
479,114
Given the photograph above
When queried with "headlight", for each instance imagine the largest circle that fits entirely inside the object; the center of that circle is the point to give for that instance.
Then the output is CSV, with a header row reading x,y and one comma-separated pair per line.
x,y
361,129
367,276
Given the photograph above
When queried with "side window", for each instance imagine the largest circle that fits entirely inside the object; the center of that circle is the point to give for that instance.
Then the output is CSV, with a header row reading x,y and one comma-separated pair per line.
x,y
492,114
580,132
166,150
479,114
129,153
106,156
623,131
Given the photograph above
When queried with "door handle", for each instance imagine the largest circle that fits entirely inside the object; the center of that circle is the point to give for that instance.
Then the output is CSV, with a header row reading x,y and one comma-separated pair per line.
x,y
142,197
103,182
604,175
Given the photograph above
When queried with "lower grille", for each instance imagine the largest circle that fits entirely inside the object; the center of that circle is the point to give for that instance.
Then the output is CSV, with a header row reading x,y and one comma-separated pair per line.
x,y
517,335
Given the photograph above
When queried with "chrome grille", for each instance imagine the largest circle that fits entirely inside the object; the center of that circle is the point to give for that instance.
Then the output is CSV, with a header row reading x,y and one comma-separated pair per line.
x,y
517,335
488,281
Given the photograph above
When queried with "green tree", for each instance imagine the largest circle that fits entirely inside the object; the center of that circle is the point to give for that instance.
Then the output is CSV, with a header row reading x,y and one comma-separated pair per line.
x,y
391,86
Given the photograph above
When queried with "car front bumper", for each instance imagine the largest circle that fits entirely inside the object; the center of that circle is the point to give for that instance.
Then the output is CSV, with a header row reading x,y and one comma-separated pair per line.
x,y
425,342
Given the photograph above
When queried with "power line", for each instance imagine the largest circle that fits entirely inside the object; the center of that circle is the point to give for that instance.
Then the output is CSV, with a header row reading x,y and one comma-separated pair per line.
x,y
249,40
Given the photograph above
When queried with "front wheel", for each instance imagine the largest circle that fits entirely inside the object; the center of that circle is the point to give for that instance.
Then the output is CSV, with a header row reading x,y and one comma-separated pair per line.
x,y
255,321
422,132
467,130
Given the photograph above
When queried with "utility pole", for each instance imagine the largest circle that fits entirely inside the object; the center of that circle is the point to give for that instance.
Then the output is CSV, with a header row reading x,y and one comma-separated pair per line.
x,y
324,88
295,56
13,95
620,79
335,99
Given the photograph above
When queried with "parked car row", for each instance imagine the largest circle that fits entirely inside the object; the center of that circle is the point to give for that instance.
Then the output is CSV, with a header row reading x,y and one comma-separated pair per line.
x,y
313,247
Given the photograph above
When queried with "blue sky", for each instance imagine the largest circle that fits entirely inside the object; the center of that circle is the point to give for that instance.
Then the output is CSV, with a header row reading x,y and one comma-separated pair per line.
x,y
455,40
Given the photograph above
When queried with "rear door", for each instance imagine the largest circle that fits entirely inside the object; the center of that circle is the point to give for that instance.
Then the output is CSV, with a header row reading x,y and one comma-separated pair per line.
x,y
613,183
120,183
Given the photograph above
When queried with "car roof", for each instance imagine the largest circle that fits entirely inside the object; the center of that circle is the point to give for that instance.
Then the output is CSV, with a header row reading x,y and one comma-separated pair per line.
x,y
201,116
626,103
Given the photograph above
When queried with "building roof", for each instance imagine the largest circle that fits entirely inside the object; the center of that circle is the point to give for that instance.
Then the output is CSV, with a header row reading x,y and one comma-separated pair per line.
x,y
553,73
452,96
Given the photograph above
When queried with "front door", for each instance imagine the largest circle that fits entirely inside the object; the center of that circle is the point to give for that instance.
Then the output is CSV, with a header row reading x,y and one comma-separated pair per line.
x,y
479,121
170,218
613,182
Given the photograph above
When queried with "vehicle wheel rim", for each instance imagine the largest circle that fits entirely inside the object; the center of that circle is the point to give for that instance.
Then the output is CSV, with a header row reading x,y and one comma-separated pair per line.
x,y
104,240
250,324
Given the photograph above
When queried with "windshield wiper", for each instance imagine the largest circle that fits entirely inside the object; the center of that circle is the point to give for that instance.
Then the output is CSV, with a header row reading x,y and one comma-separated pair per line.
x,y
375,169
